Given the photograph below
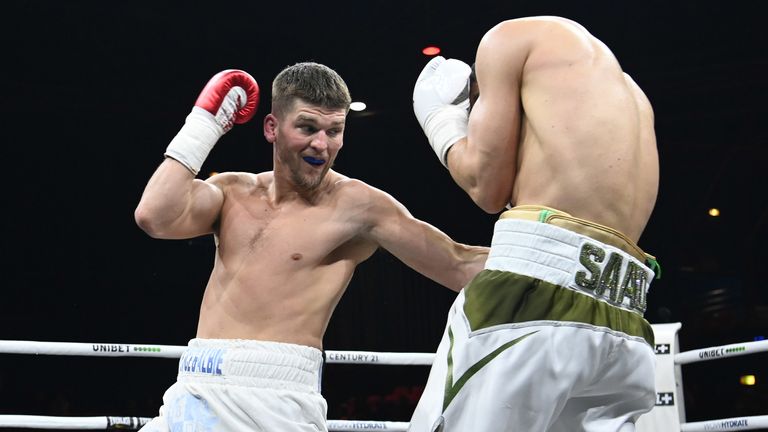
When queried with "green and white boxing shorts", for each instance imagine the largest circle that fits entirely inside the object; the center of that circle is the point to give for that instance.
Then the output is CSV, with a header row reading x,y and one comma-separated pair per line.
x,y
549,337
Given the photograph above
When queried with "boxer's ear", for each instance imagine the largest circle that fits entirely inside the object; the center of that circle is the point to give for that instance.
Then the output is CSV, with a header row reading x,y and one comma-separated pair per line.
x,y
270,127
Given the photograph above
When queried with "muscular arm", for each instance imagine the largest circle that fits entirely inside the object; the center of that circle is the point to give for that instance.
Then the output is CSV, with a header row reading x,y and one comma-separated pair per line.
x,y
175,205
421,246
484,163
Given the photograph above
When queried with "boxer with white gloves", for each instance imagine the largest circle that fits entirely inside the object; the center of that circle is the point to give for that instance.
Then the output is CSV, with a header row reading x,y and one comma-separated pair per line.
x,y
441,103
288,242
550,336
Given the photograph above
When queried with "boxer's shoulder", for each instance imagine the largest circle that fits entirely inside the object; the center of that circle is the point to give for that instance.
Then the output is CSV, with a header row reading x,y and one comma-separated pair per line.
x,y
242,181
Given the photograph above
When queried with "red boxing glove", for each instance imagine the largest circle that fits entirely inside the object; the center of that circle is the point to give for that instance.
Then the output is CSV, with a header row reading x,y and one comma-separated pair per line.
x,y
230,97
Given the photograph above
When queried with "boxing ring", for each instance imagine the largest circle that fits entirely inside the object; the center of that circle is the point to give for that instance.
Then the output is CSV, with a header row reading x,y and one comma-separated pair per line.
x,y
667,416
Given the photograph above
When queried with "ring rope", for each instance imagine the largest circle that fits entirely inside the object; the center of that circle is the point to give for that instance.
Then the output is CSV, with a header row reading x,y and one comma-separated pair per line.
x,y
174,351
728,424
331,356
90,349
381,358
344,357
135,423
366,425
84,423
719,352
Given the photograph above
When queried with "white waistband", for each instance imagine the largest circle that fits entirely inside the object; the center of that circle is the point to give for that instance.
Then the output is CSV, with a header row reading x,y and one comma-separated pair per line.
x,y
568,259
252,363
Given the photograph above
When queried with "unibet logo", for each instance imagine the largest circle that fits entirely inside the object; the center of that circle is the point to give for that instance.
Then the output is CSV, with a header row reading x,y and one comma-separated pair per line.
x,y
146,349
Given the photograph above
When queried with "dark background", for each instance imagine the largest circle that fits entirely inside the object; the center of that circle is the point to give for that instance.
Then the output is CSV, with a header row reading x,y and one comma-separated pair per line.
x,y
92,92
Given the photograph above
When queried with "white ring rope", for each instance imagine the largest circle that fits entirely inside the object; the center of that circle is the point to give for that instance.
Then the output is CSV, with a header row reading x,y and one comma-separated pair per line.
x,y
173,351
729,424
90,349
380,358
84,423
343,357
134,423
364,425
719,352
347,357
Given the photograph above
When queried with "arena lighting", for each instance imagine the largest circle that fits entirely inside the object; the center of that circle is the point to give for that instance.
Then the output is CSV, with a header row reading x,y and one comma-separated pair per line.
x,y
357,106
431,50
714,212
748,380
212,173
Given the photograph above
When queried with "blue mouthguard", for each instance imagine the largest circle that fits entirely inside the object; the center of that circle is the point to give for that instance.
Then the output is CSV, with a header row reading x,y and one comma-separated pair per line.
x,y
313,161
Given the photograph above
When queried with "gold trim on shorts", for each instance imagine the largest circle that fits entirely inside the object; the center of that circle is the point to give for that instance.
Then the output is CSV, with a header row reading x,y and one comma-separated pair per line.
x,y
590,229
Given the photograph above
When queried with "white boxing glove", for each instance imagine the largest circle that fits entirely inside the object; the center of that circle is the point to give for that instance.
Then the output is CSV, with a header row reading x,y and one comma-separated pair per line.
x,y
441,103
230,97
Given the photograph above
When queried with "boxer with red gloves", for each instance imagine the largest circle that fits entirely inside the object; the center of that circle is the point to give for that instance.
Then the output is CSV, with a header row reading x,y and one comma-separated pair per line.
x,y
288,242
550,336
230,97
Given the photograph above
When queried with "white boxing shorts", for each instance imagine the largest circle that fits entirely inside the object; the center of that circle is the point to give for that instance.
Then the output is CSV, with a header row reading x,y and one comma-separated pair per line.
x,y
233,385
550,336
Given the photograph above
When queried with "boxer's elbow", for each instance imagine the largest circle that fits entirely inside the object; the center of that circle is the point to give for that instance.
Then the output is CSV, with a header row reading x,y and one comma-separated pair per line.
x,y
470,261
488,200
149,220
491,207
487,189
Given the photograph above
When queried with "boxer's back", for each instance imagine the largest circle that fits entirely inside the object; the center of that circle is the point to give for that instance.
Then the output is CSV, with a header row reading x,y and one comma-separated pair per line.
x,y
587,143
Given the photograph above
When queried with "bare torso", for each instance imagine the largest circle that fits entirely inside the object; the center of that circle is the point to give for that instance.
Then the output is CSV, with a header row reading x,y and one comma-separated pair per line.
x,y
587,144
280,269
